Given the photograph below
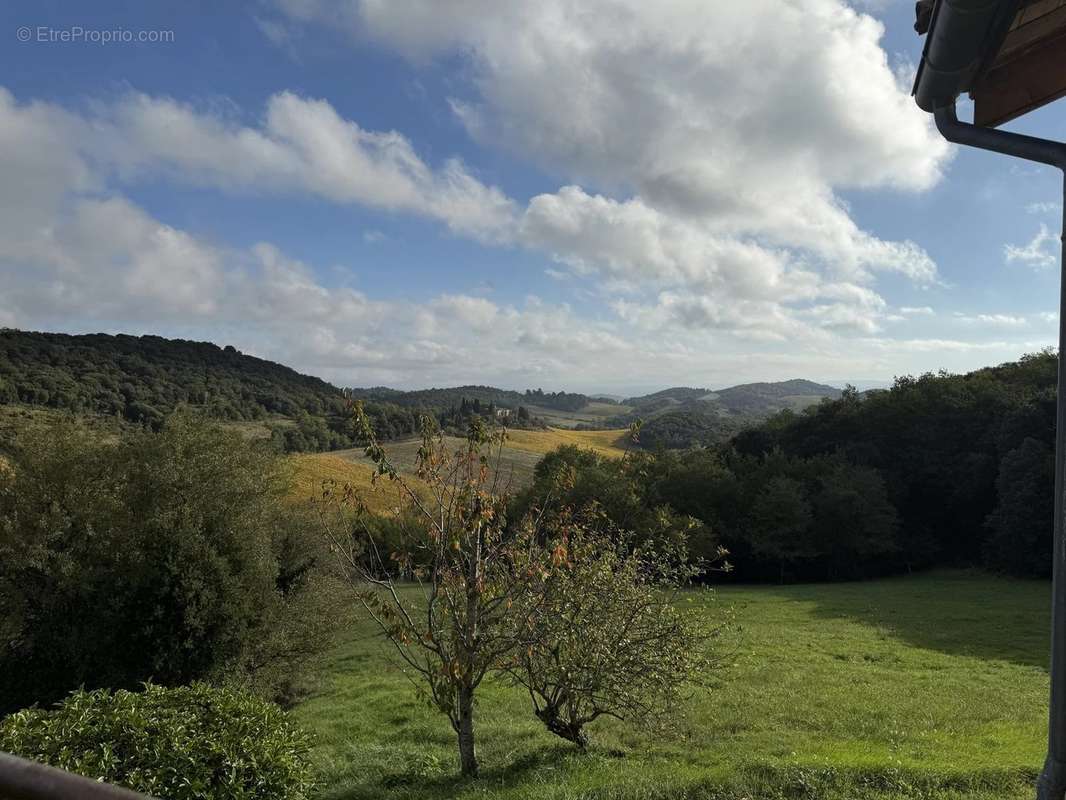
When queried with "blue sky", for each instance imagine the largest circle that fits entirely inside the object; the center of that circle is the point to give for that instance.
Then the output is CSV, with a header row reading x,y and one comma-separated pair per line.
x,y
599,196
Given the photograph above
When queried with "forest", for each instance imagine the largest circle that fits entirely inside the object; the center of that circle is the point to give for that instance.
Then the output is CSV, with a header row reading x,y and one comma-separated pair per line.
x,y
938,470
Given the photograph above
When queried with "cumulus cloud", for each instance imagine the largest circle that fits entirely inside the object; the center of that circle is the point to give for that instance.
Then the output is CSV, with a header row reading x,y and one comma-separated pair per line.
x,y
704,146
632,241
304,145
747,116
701,151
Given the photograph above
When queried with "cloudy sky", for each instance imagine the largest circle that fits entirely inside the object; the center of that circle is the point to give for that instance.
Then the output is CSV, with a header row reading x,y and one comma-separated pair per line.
x,y
598,195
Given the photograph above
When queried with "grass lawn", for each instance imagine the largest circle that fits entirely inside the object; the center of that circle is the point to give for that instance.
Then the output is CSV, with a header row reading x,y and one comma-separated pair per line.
x,y
931,687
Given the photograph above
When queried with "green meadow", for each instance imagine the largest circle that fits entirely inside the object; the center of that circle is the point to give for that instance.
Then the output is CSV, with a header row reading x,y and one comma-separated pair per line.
x,y
931,686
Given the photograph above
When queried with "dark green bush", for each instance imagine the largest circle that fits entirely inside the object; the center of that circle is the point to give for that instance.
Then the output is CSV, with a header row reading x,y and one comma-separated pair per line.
x,y
182,743
170,557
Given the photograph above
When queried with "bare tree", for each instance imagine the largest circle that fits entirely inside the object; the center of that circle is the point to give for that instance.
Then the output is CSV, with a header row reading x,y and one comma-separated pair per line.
x,y
450,625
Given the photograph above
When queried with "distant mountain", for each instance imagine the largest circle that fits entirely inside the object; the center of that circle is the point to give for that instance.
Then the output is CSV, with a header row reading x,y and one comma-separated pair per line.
x,y
763,398
684,416
678,394
746,399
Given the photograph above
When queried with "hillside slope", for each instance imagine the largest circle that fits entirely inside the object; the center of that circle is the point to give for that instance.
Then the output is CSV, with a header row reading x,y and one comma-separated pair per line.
x,y
140,377
684,416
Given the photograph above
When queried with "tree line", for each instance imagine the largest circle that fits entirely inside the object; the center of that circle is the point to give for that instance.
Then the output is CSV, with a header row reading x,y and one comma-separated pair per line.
x,y
938,470
484,395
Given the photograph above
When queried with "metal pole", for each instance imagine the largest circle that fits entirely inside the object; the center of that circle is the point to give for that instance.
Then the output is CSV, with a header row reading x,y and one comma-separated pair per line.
x,y
1052,782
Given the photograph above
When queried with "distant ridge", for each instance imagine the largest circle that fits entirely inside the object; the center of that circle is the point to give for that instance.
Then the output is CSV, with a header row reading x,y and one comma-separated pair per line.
x,y
143,378
761,398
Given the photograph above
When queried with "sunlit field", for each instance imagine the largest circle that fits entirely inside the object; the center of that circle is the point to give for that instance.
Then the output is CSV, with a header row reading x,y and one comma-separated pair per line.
x,y
926,687
515,461
606,443
311,471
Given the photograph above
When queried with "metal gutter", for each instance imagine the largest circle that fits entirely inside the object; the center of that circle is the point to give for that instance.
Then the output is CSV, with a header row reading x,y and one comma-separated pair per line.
x,y
963,36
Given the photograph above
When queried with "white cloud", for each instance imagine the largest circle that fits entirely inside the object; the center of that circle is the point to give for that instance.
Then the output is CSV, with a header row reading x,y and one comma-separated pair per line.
x,y
994,320
306,146
651,103
632,241
711,80
1040,252
1051,207
702,152
302,145
910,311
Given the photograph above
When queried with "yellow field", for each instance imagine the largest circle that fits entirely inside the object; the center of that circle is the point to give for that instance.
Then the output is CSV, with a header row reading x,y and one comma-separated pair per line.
x,y
520,455
606,443
310,470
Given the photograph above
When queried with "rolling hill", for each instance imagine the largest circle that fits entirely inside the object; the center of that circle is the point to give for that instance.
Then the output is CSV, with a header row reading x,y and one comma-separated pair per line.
x,y
141,379
747,398
684,416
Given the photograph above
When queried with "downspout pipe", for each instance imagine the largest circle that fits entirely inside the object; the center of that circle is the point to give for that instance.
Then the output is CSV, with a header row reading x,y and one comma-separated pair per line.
x,y
1005,142
1052,782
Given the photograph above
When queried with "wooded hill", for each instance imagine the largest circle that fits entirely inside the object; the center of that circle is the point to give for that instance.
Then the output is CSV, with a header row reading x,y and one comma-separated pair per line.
x,y
141,379
938,470
747,398
685,416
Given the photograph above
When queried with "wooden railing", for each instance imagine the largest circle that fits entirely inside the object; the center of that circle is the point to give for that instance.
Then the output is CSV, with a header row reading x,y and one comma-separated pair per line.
x,y
27,780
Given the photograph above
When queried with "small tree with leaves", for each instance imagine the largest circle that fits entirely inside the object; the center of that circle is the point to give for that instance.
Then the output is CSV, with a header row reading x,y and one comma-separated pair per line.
x,y
466,562
600,633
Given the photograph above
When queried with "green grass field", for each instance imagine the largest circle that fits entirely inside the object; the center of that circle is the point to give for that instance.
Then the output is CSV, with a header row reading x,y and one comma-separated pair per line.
x,y
931,687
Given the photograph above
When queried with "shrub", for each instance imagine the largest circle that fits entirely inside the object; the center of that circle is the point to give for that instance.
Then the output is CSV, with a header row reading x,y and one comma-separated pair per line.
x,y
598,632
165,556
181,743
